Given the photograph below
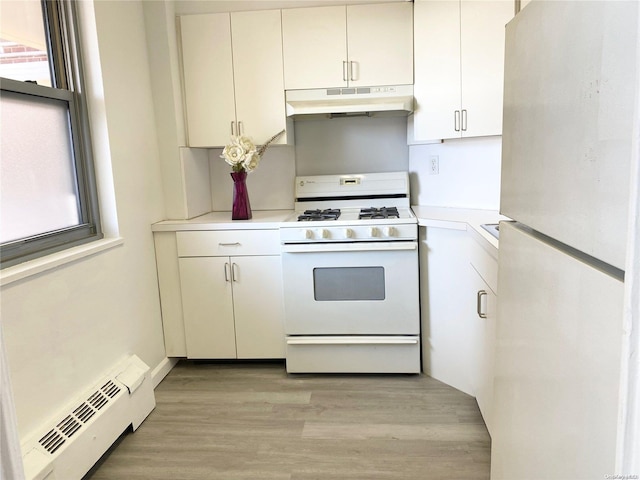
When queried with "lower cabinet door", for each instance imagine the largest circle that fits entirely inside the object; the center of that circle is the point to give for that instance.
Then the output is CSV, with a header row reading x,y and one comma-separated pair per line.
x,y
207,306
258,306
484,331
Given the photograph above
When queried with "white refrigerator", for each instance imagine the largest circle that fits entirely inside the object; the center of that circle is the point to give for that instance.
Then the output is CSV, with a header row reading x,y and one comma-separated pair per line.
x,y
570,85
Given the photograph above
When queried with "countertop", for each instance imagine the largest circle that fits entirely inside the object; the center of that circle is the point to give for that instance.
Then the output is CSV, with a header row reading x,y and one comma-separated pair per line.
x,y
461,219
261,220
441,217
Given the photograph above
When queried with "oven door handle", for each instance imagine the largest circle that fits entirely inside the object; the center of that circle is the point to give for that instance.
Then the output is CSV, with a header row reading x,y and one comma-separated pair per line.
x,y
362,340
348,247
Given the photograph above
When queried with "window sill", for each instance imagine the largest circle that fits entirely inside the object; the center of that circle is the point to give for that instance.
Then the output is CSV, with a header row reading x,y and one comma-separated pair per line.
x,y
39,265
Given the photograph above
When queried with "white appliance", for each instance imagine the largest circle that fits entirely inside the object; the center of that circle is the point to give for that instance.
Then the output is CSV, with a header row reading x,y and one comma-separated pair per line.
x,y
388,100
570,84
350,273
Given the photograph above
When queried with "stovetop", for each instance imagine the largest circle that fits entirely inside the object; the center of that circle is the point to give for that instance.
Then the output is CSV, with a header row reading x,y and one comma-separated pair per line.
x,y
319,214
368,213
350,216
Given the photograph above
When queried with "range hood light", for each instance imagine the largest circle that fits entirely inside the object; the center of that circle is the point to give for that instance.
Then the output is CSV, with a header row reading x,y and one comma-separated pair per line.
x,y
349,114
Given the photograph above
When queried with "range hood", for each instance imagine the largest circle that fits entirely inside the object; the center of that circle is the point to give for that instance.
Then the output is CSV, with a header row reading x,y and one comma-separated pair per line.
x,y
350,101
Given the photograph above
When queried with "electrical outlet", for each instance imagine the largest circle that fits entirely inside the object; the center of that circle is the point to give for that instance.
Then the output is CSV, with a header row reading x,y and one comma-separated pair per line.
x,y
434,165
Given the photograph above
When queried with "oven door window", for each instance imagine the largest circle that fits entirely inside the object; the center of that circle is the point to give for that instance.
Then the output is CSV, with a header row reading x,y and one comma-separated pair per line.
x,y
348,284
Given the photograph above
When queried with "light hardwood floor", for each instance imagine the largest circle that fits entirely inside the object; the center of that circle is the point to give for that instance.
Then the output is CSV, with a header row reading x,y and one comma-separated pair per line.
x,y
253,421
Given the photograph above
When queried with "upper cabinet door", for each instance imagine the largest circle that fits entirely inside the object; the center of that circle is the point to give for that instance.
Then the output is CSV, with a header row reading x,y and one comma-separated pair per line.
x,y
482,65
314,47
459,58
208,77
380,44
257,70
437,63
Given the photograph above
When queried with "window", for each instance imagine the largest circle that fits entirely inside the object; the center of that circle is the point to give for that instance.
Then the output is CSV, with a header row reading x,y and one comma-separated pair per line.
x,y
48,199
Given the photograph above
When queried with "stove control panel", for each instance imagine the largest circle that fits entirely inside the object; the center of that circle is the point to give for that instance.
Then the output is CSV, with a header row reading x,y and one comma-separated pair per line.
x,y
348,234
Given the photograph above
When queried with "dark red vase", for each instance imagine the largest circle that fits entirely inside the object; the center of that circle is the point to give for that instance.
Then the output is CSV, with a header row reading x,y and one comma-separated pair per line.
x,y
241,209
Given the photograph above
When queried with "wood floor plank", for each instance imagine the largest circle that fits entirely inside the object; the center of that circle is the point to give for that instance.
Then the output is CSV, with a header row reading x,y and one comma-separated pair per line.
x,y
241,421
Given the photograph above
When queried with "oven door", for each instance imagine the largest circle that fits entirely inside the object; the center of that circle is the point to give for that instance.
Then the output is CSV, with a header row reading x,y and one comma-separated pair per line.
x,y
351,288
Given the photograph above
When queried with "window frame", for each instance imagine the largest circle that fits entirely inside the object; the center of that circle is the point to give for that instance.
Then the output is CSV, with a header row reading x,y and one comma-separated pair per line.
x,y
61,32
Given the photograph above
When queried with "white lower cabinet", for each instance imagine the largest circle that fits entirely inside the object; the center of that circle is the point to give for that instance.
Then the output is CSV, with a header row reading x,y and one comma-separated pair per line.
x,y
232,304
458,285
446,307
484,329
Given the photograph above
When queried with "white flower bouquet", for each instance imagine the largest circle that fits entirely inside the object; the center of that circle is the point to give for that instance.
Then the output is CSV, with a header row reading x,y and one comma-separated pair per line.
x,y
243,155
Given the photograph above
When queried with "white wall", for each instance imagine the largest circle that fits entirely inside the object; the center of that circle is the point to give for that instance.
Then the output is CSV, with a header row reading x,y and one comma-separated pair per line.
x,y
469,173
66,327
164,64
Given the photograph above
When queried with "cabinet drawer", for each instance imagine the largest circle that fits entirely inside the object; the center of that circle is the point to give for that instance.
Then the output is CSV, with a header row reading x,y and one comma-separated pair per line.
x,y
224,243
485,265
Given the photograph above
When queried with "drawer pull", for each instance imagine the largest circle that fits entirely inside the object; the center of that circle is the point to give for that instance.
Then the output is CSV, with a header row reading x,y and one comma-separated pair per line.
x,y
481,293
234,244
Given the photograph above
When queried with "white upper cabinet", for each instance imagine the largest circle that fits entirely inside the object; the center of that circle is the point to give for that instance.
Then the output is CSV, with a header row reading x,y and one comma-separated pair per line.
x,y
459,67
257,73
380,44
314,47
356,45
208,78
233,78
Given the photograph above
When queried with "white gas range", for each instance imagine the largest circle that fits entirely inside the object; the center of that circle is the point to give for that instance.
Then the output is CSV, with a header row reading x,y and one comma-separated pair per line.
x,y
350,272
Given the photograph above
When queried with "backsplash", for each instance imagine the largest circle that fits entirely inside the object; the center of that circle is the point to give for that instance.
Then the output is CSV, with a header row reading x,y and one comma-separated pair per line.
x,y
469,169
469,173
270,185
351,145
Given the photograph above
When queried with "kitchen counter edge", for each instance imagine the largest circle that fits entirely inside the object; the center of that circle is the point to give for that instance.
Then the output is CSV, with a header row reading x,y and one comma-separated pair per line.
x,y
462,219
261,220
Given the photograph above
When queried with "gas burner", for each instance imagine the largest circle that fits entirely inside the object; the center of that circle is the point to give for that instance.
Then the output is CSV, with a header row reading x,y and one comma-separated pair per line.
x,y
382,212
314,215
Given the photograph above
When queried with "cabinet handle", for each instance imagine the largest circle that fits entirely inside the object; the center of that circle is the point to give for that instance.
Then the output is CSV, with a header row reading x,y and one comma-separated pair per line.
x,y
351,70
234,275
226,271
464,120
481,293
234,244
456,120
240,128
232,129
344,70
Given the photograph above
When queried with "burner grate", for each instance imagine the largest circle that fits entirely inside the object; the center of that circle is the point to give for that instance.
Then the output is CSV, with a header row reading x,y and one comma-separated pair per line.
x,y
382,212
314,215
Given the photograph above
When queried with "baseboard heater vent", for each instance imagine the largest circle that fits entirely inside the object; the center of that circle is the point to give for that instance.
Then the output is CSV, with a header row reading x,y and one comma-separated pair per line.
x,y
72,443
64,430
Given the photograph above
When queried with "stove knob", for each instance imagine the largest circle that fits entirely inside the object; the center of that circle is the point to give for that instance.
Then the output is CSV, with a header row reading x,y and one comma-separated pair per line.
x,y
389,231
373,232
307,234
324,233
348,233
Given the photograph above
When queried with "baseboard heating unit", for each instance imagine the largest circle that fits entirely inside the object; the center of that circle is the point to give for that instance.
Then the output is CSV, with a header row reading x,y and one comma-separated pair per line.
x,y
68,446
